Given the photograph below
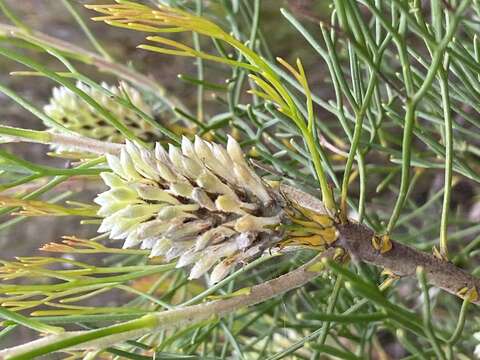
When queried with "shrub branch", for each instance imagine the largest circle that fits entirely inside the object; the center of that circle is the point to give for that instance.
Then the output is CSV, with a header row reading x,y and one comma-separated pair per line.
x,y
401,260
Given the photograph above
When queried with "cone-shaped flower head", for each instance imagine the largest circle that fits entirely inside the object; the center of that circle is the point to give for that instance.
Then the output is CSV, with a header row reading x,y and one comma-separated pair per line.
x,y
201,203
71,111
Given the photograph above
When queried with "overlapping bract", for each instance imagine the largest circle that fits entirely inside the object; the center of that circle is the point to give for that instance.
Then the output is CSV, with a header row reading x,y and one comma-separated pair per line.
x,y
201,203
68,109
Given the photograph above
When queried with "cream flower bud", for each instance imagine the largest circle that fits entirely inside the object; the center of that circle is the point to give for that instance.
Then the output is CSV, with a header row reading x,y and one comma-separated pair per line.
x,y
225,266
244,173
152,228
114,164
211,256
132,239
165,172
213,236
178,211
188,149
112,180
183,189
202,198
110,207
142,161
127,166
200,203
220,165
226,203
187,258
249,223
151,192
222,269
162,245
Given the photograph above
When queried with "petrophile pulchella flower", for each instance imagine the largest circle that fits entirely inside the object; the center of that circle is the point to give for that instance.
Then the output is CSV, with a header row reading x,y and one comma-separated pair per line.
x,y
203,204
71,111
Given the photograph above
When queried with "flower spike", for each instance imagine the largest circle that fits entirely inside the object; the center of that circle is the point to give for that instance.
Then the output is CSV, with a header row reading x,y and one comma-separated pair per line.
x,y
68,109
203,204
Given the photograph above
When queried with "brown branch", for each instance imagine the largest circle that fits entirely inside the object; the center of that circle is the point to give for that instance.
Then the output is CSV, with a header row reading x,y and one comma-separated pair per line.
x,y
355,238
403,260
